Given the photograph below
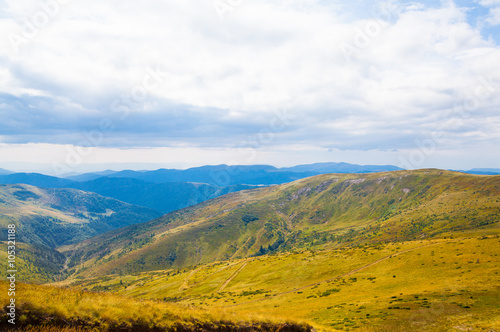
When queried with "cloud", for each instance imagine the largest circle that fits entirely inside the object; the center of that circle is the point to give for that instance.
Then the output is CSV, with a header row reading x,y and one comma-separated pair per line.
x,y
355,75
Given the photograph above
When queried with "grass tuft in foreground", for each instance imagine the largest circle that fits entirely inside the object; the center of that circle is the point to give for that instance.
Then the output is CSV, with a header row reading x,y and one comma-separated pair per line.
x,y
43,308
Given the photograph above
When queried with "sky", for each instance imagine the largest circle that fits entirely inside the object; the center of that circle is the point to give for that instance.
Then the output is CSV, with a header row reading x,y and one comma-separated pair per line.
x,y
90,85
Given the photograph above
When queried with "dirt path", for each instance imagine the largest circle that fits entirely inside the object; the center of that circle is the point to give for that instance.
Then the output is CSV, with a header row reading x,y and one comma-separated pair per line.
x,y
333,279
185,283
231,278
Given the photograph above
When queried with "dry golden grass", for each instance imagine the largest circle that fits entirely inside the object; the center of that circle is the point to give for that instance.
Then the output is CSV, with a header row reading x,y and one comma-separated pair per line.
x,y
412,286
45,308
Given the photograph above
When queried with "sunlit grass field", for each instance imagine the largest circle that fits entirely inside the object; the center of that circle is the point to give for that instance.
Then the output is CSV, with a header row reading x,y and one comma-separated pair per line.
x,y
437,285
48,308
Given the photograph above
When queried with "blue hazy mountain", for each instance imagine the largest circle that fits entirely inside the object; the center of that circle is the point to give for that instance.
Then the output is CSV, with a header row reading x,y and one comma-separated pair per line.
x,y
325,168
35,179
219,175
89,176
5,172
483,171
163,197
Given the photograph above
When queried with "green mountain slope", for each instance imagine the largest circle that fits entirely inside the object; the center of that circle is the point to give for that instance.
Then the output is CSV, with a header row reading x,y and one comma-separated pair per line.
x,y
48,218
55,217
326,211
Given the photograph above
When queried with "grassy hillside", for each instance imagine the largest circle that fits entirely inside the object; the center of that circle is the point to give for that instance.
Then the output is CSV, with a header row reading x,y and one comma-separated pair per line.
x,y
54,217
420,285
42,308
326,211
48,218
35,263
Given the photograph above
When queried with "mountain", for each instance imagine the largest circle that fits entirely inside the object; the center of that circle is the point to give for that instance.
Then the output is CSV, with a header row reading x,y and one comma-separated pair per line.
x,y
219,175
484,171
5,172
324,211
224,175
55,217
163,197
325,168
89,176
35,179
403,251
49,218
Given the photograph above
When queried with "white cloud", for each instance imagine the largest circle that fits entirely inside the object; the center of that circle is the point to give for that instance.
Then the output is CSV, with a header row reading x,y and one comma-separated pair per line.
x,y
409,66
494,18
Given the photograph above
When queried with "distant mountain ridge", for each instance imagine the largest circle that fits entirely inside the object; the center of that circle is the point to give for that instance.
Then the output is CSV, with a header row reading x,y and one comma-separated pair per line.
x,y
5,172
166,190
483,171
223,175
219,175
324,168
35,179
163,197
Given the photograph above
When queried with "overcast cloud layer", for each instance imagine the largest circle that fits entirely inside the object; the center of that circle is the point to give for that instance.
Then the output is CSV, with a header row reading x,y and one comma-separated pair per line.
x,y
190,82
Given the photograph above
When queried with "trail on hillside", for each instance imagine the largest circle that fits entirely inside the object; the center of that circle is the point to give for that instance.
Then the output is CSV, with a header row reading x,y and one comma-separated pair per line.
x,y
185,283
332,279
231,278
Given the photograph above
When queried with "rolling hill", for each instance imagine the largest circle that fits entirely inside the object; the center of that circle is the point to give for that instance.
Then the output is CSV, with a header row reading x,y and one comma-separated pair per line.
x,y
48,218
396,251
421,285
55,217
326,211
50,309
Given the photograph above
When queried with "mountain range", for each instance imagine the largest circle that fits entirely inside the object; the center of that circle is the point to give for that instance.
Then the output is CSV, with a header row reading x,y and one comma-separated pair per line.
x,y
167,190
372,251
325,210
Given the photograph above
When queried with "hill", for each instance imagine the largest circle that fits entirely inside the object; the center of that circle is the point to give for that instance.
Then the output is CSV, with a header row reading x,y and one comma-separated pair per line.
x,y
484,171
325,211
74,310
163,197
48,218
55,217
423,285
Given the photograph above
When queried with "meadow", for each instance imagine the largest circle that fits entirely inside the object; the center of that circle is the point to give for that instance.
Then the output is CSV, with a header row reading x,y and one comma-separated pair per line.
x,y
436,285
